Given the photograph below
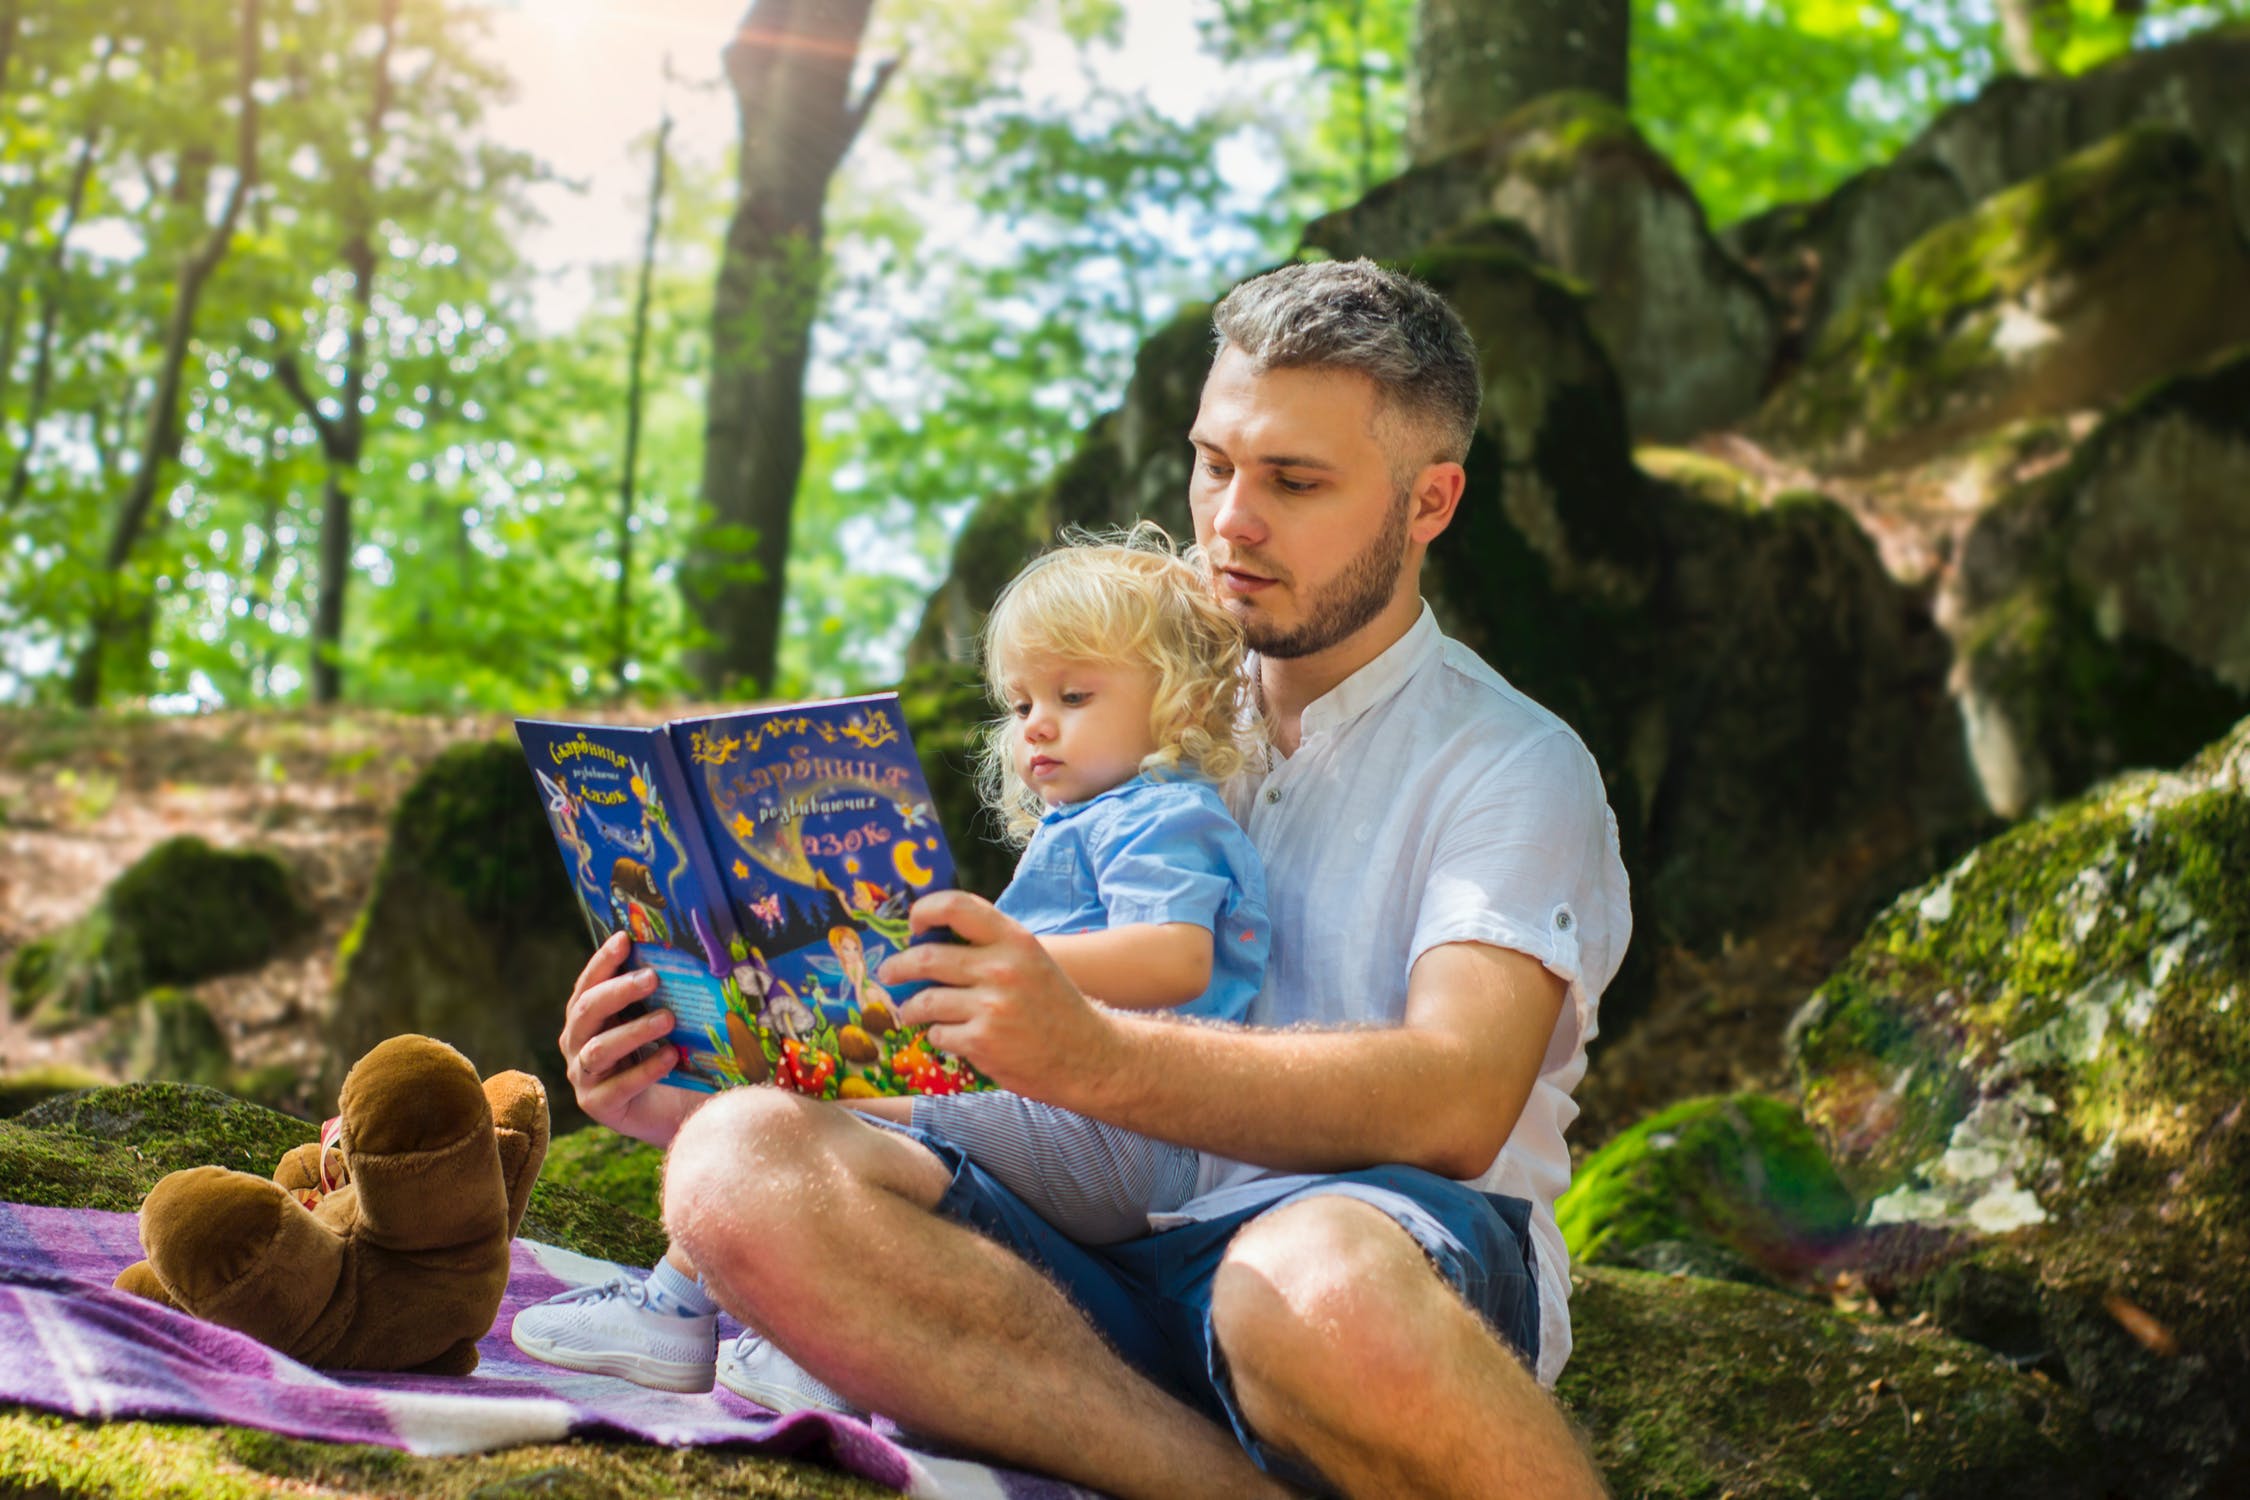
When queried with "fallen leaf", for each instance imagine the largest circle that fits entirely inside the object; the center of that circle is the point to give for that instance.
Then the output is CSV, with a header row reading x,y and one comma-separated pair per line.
x,y
2145,1329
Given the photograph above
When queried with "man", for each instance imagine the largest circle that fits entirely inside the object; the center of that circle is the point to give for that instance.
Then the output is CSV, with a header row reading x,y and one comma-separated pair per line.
x,y
1374,1261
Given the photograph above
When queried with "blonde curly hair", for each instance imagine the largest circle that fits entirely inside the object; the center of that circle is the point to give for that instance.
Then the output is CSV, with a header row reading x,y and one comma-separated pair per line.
x,y
1121,596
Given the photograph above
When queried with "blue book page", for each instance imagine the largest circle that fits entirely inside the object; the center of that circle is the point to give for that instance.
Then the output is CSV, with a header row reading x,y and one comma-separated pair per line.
x,y
622,815
824,833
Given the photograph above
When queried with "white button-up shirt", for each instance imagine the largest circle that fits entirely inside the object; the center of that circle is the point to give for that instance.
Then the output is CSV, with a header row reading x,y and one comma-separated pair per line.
x,y
1429,802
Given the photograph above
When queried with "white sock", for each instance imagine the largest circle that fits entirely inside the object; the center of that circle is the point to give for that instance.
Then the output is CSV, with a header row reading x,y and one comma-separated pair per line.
x,y
671,1291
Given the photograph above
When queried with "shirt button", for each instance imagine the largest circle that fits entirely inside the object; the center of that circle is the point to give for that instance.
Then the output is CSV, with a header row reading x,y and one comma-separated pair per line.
x,y
1273,795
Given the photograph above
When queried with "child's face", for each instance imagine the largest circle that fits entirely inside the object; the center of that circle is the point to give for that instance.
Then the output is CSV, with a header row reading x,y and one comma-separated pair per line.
x,y
1080,727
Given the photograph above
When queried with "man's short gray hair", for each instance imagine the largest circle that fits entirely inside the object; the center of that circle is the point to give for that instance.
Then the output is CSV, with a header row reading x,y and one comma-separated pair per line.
x,y
1357,315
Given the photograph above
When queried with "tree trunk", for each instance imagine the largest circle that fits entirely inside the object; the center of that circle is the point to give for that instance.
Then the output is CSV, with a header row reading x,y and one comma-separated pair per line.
x,y
51,299
115,611
2020,22
621,650
343,438
1477,61
11,23
790,65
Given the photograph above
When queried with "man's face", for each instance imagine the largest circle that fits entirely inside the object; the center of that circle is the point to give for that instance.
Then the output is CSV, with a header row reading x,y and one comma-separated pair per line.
x,y
1302,521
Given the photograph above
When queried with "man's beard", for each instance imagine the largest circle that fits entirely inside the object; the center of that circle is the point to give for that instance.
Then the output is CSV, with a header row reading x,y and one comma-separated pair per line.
x,y
1356,596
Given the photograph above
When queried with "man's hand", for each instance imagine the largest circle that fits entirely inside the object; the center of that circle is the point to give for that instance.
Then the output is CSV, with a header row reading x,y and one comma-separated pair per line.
x,y
625,1098
997,999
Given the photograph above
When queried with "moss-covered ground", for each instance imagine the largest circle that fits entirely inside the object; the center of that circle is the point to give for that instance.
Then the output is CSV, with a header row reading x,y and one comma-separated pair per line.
x,y
56,1458
1697,1390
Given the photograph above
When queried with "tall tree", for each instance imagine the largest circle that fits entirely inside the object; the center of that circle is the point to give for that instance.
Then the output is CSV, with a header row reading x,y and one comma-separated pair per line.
x,y
621,656
1475,61
791,66
119,607
343,433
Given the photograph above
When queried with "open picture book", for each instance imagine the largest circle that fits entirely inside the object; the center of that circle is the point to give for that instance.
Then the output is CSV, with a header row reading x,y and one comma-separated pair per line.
x,y
762,864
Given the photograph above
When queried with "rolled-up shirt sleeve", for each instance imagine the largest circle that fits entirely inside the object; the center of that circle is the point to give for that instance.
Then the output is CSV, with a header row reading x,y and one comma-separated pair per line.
x,y
1520,865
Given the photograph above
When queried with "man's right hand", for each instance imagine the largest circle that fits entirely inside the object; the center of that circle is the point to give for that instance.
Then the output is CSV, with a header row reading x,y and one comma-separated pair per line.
x,y
598,1055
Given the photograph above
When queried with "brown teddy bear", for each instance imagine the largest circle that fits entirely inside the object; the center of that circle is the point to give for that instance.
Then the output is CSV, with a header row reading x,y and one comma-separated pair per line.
x,y
397,1257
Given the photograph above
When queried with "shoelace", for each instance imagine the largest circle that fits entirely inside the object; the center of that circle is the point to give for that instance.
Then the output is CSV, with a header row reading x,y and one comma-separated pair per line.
x,y
617,1286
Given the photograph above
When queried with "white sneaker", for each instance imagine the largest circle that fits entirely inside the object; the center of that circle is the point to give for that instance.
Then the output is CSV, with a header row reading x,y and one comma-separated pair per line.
x,y
611,1329
755,1370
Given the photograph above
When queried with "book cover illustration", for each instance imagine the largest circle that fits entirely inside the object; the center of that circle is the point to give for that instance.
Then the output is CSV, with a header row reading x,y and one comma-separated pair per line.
x,y
762,863
824,834
626,825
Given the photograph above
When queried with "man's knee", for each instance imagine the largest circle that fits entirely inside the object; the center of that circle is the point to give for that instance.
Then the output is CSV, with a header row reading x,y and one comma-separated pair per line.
x,y
1324,1290
737,1164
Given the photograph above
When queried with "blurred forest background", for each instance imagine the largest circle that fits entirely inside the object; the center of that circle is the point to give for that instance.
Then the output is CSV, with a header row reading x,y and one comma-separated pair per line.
x,y
290,412
1864,474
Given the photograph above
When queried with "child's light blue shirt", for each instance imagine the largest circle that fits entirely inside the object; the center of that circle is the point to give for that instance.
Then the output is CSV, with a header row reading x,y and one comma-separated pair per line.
x,y
1149,851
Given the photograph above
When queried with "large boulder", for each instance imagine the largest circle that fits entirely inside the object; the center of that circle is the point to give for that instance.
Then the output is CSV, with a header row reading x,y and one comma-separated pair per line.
x,y
1691,334
1765,702
2116,266
2097,609
2034,1072
181,913
472,934
1820,257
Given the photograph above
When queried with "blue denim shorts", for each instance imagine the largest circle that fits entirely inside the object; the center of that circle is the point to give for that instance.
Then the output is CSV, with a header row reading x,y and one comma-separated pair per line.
x,y
1150,1298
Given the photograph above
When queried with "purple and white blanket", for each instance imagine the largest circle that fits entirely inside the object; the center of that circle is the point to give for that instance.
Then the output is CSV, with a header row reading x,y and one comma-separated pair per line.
x,y
70,1344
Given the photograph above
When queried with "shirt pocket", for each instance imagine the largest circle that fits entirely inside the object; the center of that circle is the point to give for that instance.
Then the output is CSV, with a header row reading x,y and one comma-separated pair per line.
x,y
1057,881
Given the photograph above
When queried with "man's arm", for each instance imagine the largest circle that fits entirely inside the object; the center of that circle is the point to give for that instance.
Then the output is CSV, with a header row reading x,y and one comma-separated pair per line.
x,y
1441,1091
1146,966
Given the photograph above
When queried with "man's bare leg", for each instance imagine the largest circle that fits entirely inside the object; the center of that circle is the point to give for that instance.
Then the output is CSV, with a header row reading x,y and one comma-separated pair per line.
x,y
1349,1351
817,1229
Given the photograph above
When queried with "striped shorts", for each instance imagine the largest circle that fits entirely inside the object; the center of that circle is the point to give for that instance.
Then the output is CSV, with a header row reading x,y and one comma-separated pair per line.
x,y
1094,1182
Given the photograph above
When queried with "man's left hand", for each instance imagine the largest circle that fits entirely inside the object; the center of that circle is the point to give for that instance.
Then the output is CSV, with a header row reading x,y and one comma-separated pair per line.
x,y
997,999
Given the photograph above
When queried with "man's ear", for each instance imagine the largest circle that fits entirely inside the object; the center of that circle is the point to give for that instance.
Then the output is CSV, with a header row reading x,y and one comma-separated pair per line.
x,y
1437,495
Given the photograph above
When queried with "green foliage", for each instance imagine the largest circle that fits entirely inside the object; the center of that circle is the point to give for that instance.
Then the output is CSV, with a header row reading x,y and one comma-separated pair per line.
x,y
1019,215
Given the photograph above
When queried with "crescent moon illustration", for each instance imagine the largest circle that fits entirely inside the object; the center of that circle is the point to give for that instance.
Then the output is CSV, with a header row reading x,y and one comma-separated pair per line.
x,y
908,861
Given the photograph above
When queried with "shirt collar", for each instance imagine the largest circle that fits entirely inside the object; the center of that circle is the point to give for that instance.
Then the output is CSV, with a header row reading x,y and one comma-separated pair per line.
x,y
1377,682
1063,810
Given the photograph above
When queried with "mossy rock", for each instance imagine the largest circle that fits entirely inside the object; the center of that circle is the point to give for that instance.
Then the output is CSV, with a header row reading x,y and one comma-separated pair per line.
x,y
472,933
175,1039
2097,609
1690,333
2117,266
29,1087
1742,1174
181,913
2040,1062
1699,1389
1819,257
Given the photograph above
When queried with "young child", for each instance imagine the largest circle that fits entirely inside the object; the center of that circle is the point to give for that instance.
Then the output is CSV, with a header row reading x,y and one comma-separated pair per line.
x,y
1126,701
